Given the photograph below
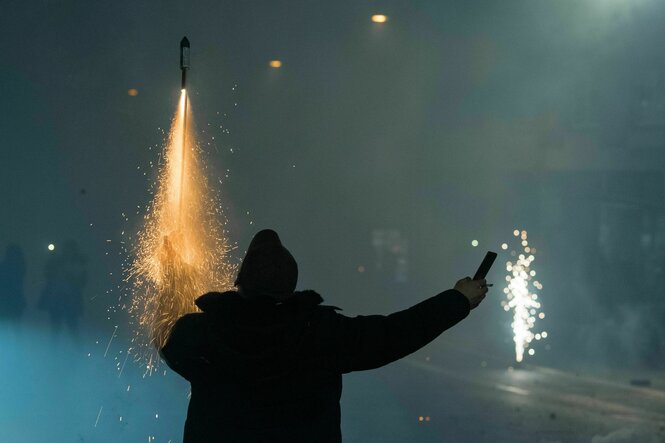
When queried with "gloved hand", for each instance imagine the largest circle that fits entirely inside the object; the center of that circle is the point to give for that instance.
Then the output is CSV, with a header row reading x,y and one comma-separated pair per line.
x,y
474,290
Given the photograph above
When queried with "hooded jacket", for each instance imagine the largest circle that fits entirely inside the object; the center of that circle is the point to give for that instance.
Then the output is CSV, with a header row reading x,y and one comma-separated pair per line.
x,y
268,371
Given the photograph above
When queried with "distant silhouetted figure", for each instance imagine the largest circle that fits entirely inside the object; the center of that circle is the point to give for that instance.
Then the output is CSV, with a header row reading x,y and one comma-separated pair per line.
x,y
265,363
12,276
62,296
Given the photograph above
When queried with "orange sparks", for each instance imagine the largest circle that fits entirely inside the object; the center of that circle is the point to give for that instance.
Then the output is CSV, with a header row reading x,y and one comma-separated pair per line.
x,y
181,251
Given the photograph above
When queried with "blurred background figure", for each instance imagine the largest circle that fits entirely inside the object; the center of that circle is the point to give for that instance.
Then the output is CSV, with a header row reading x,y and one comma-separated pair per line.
x,y
62,295
12,299
12,276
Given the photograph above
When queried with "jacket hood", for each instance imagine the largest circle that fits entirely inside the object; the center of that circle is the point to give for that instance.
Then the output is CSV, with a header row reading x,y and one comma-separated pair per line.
x,y
268,268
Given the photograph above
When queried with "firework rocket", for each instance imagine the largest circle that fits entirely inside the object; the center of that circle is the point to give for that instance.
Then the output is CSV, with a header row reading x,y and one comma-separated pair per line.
x,y
181,250
184,60
184,66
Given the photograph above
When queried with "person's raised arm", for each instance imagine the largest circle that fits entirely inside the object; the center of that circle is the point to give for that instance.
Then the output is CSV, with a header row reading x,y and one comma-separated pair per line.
x,y
367,342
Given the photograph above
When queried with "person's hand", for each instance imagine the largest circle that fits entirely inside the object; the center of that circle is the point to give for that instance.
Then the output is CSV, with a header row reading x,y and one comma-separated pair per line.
x,y
473,290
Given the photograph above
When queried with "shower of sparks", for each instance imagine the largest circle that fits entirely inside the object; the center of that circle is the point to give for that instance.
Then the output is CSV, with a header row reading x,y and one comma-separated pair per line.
x,y
181,251
522,297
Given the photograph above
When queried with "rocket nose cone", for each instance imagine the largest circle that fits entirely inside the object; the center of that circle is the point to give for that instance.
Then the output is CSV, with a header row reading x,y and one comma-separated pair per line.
x,y
184,43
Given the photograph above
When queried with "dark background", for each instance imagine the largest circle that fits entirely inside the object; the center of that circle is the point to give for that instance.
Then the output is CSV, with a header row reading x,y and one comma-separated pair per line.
x,y
453,121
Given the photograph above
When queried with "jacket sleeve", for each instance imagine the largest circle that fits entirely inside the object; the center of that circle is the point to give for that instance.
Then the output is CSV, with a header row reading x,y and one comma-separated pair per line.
x,y
185,350
368,342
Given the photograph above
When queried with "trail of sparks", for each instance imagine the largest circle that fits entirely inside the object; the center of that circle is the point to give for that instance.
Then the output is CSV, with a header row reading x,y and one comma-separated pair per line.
x,y
180,252
124,362
110,340
98,415
521,298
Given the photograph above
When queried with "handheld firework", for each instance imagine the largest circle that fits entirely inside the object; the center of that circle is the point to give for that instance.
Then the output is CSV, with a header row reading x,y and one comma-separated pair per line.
x,y
485,266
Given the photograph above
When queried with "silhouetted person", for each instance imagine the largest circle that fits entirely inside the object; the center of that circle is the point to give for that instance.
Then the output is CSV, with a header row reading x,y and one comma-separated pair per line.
x,y
12,276
62,296
265,363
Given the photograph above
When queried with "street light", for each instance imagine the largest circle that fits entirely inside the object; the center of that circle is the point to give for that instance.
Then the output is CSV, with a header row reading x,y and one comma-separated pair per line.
x,y
379,18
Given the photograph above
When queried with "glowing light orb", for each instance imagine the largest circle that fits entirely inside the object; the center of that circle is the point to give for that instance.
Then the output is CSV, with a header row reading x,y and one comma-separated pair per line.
x,y
474,243
51,247
133,92
379,18
275,64
504,246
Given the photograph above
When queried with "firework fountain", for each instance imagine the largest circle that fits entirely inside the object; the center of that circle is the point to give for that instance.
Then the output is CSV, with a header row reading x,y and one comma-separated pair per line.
x,y
181,251
522,297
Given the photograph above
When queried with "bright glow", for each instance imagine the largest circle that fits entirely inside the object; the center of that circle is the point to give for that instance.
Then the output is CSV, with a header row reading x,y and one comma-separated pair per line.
x,y
504,246
522,299
51,247
379,18
132,92
181,251
275,64
474,243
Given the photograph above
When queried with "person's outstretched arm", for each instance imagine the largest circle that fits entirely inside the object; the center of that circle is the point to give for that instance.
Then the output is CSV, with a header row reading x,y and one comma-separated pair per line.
x,y
185,349
368,342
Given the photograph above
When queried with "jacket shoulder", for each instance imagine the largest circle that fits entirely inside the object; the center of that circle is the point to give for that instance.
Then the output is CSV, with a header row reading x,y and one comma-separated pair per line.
x,y
190,320
186,330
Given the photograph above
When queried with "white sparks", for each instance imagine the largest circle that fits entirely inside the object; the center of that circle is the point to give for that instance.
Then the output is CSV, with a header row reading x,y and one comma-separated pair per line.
x,y
98,415
522,299
110,340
